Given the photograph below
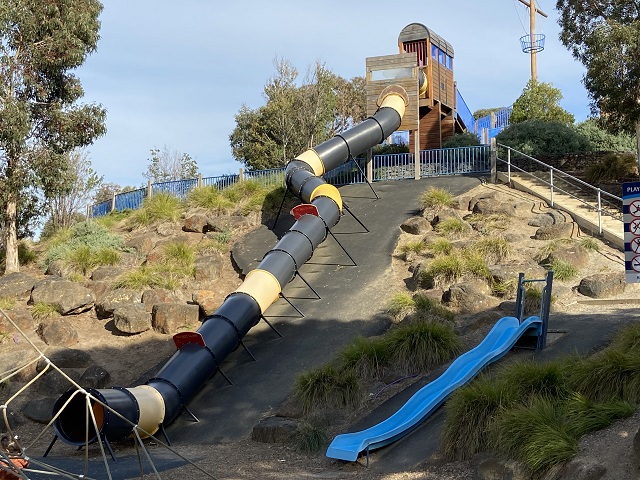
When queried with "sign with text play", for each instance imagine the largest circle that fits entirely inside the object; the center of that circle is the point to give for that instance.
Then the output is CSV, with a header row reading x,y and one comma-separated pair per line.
x,y
631,211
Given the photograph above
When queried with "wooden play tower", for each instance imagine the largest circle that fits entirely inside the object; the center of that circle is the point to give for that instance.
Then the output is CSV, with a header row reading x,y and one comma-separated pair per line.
x,y
424,67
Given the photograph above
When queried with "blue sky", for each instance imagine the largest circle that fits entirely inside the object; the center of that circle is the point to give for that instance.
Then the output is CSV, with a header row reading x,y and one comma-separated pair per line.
x,y
176,73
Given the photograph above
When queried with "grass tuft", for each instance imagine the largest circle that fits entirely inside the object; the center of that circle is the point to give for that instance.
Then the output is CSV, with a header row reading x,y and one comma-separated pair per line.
x,y
328,387
441,246
452,228
41,311
421,345
160,207
493,249
488,224
400,304
309,438
366,357
562,270
437,198
7,303
590,244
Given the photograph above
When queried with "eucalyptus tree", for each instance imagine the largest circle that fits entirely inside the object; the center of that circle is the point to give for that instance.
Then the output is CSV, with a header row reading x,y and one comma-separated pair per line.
x,y
605,36
41,43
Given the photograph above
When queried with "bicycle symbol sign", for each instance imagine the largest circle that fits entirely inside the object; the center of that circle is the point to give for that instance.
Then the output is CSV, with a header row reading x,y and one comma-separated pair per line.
x,y
634,208
635,245
634,226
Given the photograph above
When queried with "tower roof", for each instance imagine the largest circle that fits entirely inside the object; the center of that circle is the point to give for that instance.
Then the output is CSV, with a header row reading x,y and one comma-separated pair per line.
x,y
417,31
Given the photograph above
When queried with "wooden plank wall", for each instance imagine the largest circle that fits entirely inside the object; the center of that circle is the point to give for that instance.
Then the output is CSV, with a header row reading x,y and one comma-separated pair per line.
x,y
410,84
443,88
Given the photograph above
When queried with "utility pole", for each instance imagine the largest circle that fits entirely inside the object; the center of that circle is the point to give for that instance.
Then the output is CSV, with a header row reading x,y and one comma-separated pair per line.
x,y
534,43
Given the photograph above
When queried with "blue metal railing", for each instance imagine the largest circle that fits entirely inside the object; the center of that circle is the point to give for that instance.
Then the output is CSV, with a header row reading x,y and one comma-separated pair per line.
x,y
455,161
272,177
398,166
462,110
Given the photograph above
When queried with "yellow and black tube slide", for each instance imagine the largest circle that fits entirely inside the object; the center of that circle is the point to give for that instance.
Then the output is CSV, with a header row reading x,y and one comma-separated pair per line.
x,y
165,396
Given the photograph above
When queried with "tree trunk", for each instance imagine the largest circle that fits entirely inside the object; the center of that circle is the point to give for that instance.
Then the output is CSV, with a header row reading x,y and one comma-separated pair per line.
x,y
638,142
11,236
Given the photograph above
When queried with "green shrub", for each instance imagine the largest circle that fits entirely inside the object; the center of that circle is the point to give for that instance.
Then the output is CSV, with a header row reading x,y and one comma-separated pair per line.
x,y
536,433
475,264
562,270
367,357
506,289
465,139
444,269
437,198
160,207
586,416
628,339
415,247
83,245
539,137
493,249
426,307
590,244
603,141
613,168
309,438
470,412
421,345
209,197
452,227
400,304
328,387
7,303
143,277
40,311
608,375
441,246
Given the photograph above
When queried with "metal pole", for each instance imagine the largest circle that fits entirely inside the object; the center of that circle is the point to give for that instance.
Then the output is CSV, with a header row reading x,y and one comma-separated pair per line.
x,y
494,156
509,165
599,213
551,185
532,32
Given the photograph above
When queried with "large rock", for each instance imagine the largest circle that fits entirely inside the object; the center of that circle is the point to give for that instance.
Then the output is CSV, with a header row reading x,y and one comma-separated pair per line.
x,y
197,223
208,268
66,296
16,284
132,318
57,332
116,298
227,223
66,358
581,468
170,318
95,377
23,319
499,469
40,411
636,447
574,254
53,383
416,226
274,430
502,206
141,244
511,272
469,297
555,231
207,300
59,268
603,285
156,296
106,272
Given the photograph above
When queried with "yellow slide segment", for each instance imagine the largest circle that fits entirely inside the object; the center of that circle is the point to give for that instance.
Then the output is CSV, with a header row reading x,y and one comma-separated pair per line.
x,y
262,286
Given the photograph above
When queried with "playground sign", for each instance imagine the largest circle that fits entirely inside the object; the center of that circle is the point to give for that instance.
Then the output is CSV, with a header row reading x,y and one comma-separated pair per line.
x,y
631,210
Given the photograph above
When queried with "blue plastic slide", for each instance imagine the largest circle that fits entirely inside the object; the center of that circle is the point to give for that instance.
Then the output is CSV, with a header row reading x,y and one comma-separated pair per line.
x,y
497,343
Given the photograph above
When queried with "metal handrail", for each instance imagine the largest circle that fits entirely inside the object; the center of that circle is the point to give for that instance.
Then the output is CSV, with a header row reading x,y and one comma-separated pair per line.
x,y
554,187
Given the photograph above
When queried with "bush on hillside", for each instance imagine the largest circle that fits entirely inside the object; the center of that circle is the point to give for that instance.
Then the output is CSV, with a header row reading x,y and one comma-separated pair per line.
x,y
613,167
466,139
540,137
603,141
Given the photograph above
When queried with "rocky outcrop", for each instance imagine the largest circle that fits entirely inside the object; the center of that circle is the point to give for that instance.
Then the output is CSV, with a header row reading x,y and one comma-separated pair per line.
x,y
603,285
469,297
16,284
552,232
416,226
66,296
57,332
170,318
132,318
274,430
116,298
